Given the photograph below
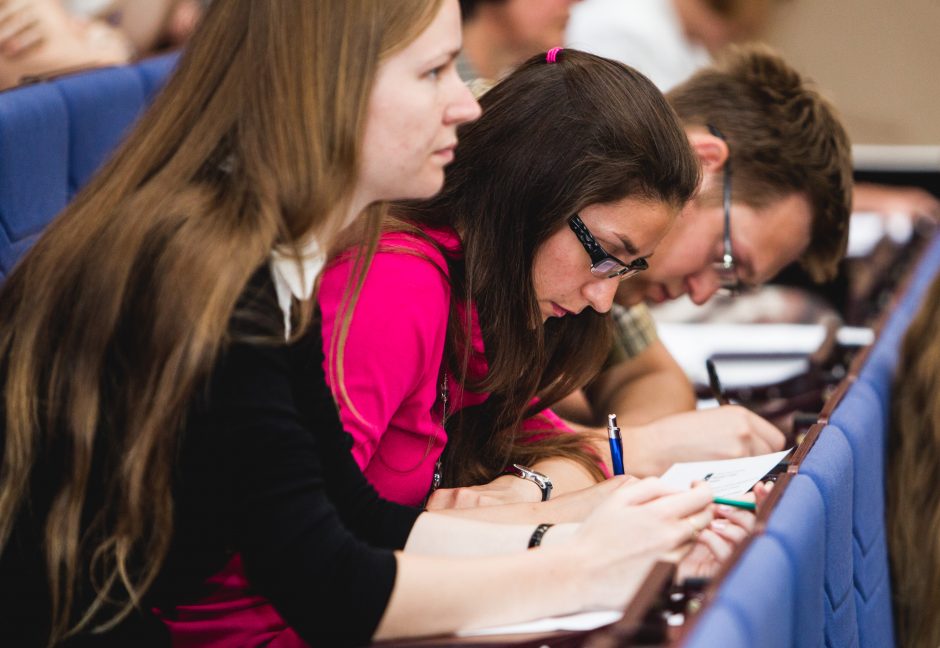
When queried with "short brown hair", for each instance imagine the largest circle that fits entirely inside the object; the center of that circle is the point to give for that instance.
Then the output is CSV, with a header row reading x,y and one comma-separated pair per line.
x,y
784,137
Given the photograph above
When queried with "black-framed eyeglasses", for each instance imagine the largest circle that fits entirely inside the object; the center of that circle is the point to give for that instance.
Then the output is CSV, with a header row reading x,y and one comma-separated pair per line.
x,y
604,264
726,269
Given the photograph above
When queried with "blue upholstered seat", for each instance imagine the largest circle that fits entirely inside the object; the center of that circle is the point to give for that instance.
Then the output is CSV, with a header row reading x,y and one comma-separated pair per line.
x,y
34,153
861,419
154,72
799,524
759,594
55,135
721,626
829,464
102,106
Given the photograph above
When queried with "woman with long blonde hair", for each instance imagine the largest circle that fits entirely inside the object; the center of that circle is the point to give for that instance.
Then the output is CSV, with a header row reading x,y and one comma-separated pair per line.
x,y
164,404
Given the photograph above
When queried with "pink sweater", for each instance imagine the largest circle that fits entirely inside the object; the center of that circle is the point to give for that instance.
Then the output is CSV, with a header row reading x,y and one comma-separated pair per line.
x,y
392,362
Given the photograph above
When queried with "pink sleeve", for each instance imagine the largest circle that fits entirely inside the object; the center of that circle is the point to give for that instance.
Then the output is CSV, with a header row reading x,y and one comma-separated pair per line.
x,y
546,420
552,423
392,355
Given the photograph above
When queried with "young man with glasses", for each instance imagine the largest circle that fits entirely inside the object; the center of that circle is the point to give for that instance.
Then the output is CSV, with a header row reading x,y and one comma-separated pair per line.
x,y
788,199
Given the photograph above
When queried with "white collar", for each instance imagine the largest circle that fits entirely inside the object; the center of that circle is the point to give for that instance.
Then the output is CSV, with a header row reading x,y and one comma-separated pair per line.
x,y
295,280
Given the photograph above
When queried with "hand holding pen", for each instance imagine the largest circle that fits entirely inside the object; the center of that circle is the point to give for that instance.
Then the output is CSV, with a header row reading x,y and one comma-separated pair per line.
x,y
615,440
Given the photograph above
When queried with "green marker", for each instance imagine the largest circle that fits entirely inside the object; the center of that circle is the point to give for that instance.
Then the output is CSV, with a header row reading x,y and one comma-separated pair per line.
x,y
741,504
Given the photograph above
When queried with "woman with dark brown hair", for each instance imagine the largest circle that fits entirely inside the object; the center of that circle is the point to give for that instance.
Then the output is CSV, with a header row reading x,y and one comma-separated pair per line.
x,y
163,403
913,507
485,304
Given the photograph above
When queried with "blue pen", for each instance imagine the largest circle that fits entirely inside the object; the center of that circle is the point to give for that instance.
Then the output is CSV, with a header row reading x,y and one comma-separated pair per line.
x,y
616,445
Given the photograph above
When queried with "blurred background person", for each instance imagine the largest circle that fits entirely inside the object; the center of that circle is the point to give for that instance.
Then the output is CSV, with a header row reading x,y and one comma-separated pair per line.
x,y
498,35
49,37
40,36
667,40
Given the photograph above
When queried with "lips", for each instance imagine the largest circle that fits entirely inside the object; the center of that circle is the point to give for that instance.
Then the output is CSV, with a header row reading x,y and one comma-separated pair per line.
x,y
447,151
660,292
656,293
558,311
446,154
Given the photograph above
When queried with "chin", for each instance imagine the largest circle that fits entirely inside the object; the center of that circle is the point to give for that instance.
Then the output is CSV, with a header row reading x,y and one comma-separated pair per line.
x,y
428,185
419,189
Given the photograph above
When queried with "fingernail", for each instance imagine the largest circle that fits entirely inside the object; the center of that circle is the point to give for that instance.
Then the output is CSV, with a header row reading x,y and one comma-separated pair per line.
x,y
719,524
724,508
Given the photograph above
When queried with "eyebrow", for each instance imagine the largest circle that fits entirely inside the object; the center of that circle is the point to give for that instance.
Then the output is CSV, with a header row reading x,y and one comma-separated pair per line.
x,y
628,245
450,55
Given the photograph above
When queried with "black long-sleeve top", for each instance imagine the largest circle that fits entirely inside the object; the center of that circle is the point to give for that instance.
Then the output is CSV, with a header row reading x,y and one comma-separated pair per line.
x,y
265,470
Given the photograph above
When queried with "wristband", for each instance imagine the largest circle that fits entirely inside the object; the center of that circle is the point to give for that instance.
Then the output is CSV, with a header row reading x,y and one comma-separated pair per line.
x,y
538,534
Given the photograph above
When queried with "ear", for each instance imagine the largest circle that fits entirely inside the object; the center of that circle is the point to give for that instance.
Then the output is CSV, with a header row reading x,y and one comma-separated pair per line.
x,y
712,151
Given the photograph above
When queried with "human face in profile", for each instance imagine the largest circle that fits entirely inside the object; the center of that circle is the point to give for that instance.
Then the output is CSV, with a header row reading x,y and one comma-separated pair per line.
x,y
627,229
416,105
764,240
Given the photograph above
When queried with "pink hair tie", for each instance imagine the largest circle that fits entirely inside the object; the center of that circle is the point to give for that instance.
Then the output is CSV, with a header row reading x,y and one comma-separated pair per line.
x,y
552,55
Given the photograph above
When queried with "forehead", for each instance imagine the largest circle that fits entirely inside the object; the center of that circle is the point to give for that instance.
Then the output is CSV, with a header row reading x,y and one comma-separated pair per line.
x,y
442,36
774,236
642,222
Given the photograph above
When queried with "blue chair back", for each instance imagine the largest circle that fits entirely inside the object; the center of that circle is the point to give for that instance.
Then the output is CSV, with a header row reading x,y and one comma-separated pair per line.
x,y
861,419
55,135
757,594
830,467
34,173
798,523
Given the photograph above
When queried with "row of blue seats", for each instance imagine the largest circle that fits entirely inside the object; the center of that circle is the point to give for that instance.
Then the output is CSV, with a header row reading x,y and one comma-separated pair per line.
x,y
54,135
818,575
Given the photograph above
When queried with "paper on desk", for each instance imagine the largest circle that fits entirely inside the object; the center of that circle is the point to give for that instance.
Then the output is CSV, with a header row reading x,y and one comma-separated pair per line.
x,y
570,622
692,344
728,477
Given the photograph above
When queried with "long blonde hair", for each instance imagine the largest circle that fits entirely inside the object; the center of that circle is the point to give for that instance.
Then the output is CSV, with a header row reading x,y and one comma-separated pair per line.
x,y
913,505
114,318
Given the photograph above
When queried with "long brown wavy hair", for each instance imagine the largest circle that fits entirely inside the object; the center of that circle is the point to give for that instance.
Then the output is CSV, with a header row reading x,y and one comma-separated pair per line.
x,y
913,505
117,314
553,139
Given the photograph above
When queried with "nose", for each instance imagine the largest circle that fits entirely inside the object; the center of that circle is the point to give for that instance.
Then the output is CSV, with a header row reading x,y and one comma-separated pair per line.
x,y
600,293
702,285
462,107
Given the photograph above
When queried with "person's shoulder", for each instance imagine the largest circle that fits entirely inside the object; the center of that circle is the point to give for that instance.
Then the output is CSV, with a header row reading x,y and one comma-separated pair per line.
x,y
420,249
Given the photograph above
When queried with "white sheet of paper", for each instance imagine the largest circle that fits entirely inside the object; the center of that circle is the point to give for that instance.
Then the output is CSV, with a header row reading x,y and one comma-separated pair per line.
x,y
571,622
728,477
691,344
